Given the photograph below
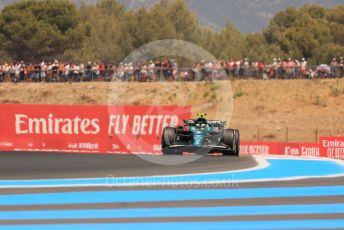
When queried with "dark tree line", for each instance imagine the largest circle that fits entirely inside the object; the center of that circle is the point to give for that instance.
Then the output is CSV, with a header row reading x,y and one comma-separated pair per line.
x,y
35,30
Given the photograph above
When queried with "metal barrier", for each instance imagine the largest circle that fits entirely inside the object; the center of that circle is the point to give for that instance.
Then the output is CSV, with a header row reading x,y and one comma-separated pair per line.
x,y
287,134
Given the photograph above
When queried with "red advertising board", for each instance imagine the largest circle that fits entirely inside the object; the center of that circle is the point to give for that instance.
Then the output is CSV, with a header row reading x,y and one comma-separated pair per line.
x,y
121,129
281,148
104,129
332,147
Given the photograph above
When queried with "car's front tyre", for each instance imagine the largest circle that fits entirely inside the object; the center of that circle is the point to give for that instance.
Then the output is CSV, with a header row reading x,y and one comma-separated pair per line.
x,y
231,138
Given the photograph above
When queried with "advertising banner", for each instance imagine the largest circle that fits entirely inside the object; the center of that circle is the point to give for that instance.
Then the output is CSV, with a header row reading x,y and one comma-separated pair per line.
x,y
104,129
121,129
332,147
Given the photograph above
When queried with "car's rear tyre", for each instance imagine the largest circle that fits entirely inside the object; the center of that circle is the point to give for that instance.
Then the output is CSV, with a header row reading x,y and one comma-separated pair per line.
x,y
168,137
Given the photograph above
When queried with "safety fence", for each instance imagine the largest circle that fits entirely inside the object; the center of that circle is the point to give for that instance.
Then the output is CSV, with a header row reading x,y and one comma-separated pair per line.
x,y
289,134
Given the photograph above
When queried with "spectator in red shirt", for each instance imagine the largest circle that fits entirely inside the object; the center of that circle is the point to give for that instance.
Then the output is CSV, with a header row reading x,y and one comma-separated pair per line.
x,y
261,69
102,70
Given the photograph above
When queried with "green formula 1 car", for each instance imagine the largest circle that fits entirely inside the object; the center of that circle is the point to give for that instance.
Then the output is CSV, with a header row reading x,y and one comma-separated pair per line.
x,y
201,136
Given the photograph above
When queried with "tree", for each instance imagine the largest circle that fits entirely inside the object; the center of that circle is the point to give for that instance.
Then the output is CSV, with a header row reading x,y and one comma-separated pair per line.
x,y
209,40
103,32
111,7
34,30
231,43
307,31
184,21
257,48
335,17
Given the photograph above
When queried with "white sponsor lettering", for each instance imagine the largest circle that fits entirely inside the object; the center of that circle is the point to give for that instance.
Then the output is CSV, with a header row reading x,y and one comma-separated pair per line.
x,y
156,147
334,143
67,128
291,151
339,153
136,125
88,145
73,145
159,118
96,126
310,151
19,123
6,144
51,125
144,125
335,153
152,124
118,124
254,149
115,146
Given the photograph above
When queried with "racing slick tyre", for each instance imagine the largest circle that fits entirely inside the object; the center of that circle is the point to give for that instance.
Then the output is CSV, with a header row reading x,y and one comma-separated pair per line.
x,y
231,139
168,137
237,138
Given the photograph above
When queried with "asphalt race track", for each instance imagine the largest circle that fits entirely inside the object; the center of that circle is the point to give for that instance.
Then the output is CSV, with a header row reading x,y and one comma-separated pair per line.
x,y
37,165
72,191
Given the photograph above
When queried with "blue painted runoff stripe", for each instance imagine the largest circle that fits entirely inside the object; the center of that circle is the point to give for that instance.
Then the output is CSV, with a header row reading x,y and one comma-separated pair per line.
x,y
278,169
167,195
223,225
173,212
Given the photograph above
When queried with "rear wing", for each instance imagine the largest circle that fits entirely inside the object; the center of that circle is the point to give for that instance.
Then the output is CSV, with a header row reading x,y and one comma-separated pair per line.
x,y
217,123
214,123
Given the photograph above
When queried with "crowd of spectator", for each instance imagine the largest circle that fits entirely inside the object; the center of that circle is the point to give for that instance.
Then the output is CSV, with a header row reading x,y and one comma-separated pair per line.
x,y
167,69
277,69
